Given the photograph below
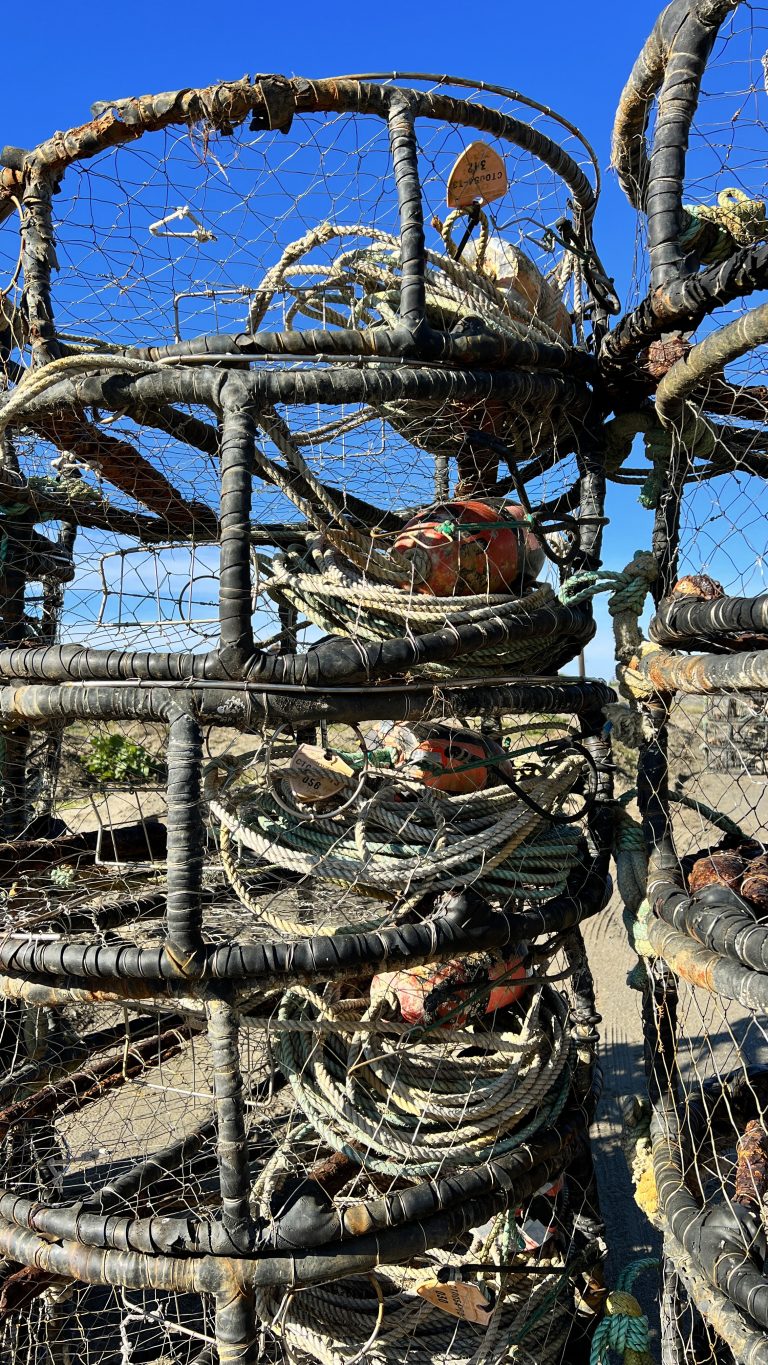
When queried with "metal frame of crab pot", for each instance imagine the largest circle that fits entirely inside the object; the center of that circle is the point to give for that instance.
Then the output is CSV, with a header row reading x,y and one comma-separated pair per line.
x,y
214,985
215,371
712,940
237,685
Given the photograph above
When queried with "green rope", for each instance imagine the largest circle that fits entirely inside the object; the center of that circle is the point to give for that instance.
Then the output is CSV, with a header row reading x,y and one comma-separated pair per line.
x,y
624,1328
636,925
628,591
658,449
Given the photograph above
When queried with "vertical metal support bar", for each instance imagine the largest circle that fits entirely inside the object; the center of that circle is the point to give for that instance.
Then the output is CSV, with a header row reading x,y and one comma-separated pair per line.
x,y
405,167
232,1144
591,463
14,748
442,479
186,834
653,788
38,259
677,101
236,1328
660,993
237,1333
235,611
665,537
53,605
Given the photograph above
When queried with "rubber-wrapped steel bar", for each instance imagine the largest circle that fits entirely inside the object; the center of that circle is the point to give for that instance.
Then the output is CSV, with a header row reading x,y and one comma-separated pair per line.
x,y
235,593
747,1344
715,918
703,673
405,169
223,1274
185,842
671,66
158,383
231,1136
720,976
466,925
383,343
629,154
334,661
677,100
684,303
246,706
592,485
38,259
682,622
275,100
706,359
312,1219
712,1236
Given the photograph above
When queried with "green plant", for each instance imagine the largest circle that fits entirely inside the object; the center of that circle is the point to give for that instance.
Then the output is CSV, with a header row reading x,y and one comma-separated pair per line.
x,y
115,759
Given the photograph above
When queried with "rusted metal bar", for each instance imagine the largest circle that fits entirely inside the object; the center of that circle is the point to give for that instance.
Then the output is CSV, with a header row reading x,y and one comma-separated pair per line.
x,y
114,844
103,1074
702,674
122,465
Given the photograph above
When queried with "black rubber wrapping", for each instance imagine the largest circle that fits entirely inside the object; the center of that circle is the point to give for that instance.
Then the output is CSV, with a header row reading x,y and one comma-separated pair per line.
x,y
235,593
719,919
471,351
339,384
231,1133
685,302
677,100
405,169
714,1237
186,837
335,661
629,152
685,622
191,1234
247,707
467,925
38,260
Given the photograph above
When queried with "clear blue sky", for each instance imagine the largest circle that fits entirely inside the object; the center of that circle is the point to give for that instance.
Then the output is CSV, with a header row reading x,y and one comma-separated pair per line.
x,y
59,59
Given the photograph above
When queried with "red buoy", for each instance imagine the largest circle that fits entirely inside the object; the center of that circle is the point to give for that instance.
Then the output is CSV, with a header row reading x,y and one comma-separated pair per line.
x,y
458,549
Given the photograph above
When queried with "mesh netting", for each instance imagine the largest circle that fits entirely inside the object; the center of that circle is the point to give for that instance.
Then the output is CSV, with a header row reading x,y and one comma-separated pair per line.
x,y
309,440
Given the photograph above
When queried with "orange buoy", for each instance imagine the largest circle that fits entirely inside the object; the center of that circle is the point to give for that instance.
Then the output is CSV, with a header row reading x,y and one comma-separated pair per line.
x,y
469,547
437,990
451,762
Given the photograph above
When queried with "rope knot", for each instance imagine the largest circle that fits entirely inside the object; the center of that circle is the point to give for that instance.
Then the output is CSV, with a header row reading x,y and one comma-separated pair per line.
x,y
621,1304
624,1329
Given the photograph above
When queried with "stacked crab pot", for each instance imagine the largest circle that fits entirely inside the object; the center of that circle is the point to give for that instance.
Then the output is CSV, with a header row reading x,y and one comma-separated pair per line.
x,y
298,1028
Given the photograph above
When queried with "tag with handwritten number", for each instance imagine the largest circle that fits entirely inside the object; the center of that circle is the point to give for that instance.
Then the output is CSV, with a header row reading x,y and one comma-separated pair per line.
x,y
316,773
461,1300
478,177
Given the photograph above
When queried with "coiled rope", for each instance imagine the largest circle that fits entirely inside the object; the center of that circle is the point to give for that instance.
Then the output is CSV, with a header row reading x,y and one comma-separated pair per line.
x,y
736,220
453,287
455,293
490,840
341,600
406,1108
382,1318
